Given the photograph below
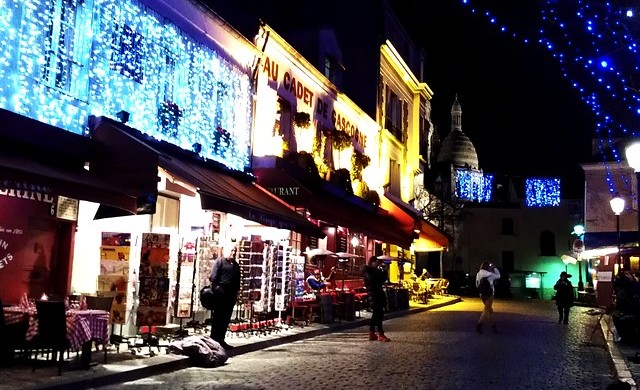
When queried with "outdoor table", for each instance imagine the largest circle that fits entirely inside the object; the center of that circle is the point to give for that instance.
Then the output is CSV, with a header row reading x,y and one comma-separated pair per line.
x,y
83,326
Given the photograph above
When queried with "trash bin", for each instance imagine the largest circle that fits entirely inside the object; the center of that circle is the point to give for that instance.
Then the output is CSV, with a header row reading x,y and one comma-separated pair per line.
x,y
392,299
326,305
403,298
349,307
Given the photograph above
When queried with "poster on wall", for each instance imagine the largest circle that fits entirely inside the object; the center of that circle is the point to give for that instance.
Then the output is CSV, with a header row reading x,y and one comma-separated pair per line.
x,y
114,272
153,280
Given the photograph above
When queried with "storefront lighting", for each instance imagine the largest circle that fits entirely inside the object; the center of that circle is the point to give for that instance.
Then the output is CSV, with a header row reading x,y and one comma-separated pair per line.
x,y
355,241
87,165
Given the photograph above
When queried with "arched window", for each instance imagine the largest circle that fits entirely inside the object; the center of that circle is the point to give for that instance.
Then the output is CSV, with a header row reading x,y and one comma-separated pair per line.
x,y
547,243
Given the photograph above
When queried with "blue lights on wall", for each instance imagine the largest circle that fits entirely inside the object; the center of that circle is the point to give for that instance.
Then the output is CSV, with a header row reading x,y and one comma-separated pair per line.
x,y
473,186
64,60
542,192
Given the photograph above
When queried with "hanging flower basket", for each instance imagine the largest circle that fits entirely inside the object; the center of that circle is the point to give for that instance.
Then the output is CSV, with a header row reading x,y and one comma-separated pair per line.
x,y
302,119
340,140
221,141
359,161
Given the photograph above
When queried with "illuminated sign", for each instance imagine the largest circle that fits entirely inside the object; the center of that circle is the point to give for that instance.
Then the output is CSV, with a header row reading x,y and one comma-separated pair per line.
x,y
324,110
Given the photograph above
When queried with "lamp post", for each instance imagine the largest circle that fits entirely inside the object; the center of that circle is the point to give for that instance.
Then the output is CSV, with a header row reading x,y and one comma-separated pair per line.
x,y
632,153
617,205
578,247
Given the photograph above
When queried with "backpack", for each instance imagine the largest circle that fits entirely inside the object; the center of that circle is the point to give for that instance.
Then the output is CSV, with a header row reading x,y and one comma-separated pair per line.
x,y
207,297
484,287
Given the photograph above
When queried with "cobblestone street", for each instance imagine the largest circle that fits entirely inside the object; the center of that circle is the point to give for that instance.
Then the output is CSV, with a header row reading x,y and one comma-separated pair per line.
x,y
438,349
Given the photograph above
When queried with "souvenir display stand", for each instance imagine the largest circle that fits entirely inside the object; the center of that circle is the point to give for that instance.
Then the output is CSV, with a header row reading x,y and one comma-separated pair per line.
x,y
113,280
185,286
208,250
153,290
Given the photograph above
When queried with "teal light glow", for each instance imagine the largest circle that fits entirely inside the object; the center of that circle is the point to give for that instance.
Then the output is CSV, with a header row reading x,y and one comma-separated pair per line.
x,y
473,186
63,60
542,192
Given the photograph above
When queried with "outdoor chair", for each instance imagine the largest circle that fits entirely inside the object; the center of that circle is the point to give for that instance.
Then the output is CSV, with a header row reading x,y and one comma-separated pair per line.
x,y
52,332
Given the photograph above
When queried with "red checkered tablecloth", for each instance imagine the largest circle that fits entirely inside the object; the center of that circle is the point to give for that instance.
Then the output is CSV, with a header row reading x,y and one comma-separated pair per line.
x,y
82,325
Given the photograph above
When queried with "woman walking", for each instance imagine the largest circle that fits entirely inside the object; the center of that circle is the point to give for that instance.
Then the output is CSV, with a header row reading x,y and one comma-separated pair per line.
x,y
485,278
374,278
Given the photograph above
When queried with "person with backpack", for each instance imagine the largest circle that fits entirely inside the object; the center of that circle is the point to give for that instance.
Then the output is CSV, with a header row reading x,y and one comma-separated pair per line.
x,y
485,278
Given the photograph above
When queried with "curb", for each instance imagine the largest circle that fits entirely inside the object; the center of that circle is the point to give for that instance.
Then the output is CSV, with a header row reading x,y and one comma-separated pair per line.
x,y
619,363
168,363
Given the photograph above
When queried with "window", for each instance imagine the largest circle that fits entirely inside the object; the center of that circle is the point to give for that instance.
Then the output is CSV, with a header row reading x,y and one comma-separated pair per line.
x,y
508,258
547,243
393,114
284,122
167,213
128,52
394,178
507,226
61,44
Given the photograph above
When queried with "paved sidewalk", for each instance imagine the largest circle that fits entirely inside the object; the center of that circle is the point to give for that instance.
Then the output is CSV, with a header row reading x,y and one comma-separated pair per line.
x,y
626,369
123,366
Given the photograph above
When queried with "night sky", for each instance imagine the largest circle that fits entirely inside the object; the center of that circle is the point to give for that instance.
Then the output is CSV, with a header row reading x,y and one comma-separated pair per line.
x,y
522,116
520,113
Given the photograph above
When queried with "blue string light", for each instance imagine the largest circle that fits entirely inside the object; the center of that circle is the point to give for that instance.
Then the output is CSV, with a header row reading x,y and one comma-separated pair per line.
x,y
542,192
473,186
595,45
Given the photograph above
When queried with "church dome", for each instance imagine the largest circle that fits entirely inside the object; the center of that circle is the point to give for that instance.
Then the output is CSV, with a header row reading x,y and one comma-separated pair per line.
x,y
458,150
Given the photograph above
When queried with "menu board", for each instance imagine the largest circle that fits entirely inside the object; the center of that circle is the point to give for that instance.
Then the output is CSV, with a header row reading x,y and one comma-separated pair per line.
x,y
114,272
153,280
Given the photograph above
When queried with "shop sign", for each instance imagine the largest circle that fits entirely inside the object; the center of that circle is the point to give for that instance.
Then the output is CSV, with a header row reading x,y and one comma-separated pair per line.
x,y
324,110
285,191
25,190
67,208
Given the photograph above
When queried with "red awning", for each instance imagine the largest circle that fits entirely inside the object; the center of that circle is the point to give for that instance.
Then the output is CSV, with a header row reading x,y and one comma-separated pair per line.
x,y
328,203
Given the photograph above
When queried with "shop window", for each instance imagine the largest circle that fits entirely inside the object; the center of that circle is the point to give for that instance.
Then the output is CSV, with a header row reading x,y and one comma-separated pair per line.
x,y
128,52
547,243
507,226
167,213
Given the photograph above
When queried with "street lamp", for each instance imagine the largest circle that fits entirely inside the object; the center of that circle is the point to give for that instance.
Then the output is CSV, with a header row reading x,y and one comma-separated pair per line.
x,y
617,205
578,247
633,159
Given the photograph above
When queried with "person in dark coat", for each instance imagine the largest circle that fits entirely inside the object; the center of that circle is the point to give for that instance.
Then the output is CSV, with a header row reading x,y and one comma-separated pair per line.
x,y
564,297
374,279
225,282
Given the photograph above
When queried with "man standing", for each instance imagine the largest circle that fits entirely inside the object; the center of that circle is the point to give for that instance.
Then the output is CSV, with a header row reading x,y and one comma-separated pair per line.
x,y
225,282
564,297
485,278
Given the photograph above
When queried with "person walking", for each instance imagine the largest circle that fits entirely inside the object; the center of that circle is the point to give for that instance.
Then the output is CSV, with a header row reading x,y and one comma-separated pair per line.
x,y
485,278
564,297
374,278
225,282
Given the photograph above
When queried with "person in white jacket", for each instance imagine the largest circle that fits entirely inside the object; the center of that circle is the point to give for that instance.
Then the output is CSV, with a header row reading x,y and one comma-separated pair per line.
x,y
491,273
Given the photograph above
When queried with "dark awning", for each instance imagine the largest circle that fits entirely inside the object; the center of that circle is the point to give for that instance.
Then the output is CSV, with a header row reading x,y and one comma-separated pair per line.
x,y
236,193
53,160
327,202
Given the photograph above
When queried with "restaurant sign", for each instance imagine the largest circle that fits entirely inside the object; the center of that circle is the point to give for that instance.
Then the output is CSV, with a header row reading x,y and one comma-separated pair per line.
x,y
5,256
323,107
